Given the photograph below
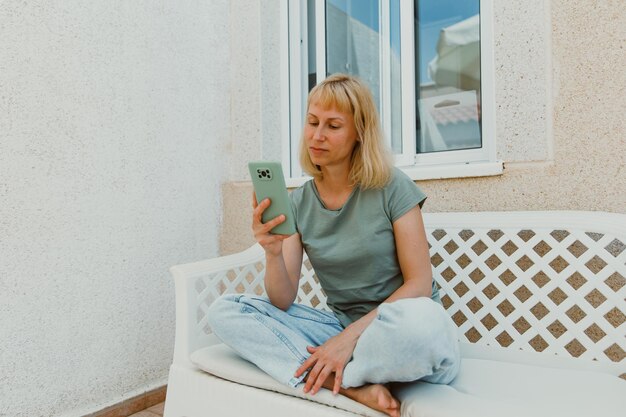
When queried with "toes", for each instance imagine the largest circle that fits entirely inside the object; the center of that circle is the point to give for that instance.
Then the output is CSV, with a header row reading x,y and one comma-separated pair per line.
x,y
394,408
383,400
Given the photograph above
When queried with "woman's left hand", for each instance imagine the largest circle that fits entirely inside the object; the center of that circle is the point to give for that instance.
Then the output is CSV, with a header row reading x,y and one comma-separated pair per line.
x,y
331,357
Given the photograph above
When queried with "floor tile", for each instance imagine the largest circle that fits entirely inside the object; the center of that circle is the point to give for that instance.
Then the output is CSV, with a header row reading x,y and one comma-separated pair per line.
x,y
157,409
144,413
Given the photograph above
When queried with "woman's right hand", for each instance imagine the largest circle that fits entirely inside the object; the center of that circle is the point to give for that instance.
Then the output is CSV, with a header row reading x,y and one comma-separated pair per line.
x,y
272,243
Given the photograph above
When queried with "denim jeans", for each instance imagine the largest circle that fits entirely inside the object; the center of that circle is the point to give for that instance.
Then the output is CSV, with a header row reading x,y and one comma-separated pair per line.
x,y
410,339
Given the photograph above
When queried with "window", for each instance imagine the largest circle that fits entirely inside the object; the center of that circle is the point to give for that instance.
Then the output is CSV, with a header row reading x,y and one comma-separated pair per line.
x,y
428,63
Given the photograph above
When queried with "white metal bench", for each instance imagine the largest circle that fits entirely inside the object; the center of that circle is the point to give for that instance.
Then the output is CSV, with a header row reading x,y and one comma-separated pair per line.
x,y
537,294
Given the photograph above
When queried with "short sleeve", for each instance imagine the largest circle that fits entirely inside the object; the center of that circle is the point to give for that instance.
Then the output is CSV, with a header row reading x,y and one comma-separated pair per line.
x,y
402,194
296,197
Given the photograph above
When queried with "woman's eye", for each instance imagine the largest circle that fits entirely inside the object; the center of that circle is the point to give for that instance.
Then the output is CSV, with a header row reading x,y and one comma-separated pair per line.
x,y
313,123
334,127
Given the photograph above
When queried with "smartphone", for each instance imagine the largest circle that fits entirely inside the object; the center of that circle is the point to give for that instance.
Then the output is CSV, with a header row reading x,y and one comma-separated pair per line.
x,y
269,182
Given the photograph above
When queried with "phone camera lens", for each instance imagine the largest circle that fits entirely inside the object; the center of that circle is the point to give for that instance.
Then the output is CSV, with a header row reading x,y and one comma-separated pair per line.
x,y
264,173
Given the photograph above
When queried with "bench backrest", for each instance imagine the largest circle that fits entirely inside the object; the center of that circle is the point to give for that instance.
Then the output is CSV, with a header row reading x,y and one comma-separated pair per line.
x,y
550,282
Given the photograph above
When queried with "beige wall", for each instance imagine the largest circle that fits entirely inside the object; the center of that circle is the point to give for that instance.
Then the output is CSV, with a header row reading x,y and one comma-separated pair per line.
x,y
585,130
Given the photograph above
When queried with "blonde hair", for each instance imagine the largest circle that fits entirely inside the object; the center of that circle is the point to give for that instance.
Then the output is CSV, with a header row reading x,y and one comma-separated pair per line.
x,y
371,164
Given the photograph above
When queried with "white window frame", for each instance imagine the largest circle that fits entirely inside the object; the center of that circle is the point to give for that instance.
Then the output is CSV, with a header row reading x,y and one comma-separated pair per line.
x,y
445,164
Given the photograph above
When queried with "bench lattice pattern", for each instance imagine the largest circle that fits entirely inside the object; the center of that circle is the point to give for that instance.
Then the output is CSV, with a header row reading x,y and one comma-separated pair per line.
x,y
538,290
543,290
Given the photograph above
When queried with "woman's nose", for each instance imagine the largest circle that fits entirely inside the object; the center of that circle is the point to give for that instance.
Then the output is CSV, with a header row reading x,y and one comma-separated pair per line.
x,y
318,134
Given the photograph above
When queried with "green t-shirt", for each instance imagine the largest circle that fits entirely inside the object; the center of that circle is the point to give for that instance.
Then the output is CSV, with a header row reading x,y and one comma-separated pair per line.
x,y
352,249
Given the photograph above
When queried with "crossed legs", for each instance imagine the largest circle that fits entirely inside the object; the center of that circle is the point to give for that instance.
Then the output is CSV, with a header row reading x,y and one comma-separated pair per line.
x,y
410,339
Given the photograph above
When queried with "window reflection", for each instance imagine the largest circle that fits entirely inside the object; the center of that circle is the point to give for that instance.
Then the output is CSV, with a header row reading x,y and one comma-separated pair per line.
x,y
448,69
352,40
447,65
353,46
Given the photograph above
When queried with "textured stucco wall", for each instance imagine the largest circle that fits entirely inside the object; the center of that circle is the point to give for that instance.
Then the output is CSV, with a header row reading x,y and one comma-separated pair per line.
x,y
522,67
560,98
256,105
255,127
245,123
114,124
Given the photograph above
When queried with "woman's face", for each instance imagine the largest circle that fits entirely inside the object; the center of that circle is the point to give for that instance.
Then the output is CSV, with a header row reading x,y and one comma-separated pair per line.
x,y
330,136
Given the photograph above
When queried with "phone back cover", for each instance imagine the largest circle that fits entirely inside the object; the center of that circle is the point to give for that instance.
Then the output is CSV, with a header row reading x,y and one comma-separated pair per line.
x,y
275,189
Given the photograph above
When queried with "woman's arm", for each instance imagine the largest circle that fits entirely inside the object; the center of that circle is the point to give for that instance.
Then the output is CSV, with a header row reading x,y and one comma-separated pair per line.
x,y
283,257
282,272
414,259
413,256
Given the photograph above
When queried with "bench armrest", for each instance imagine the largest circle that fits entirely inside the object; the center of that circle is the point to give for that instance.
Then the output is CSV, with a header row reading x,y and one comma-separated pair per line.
x,y
198,284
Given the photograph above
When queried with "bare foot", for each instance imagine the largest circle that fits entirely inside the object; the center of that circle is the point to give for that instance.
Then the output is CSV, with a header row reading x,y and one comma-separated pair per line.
x,y
375,396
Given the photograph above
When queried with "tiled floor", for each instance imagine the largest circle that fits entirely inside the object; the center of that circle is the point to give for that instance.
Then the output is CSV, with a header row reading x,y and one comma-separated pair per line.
x,y
154,411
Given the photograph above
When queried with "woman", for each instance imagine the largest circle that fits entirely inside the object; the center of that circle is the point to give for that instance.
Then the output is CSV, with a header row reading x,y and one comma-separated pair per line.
x,y
360,223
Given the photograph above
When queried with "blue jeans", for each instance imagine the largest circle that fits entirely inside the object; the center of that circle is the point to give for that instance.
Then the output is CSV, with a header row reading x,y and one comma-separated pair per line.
x,y
410,339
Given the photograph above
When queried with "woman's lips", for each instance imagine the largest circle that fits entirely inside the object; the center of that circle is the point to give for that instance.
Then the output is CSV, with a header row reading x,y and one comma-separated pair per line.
x,y
316,151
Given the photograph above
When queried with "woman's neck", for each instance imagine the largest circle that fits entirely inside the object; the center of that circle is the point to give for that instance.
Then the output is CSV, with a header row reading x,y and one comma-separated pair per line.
x,y
335,179
334,188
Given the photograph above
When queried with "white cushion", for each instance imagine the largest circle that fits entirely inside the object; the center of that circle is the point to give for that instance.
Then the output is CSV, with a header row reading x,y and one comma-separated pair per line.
x,y
551,391
222,361
483,388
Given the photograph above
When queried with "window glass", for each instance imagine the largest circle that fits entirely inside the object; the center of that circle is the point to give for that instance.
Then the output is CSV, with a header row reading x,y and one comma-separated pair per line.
x,y
364,40
447,39
352,40
430,108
